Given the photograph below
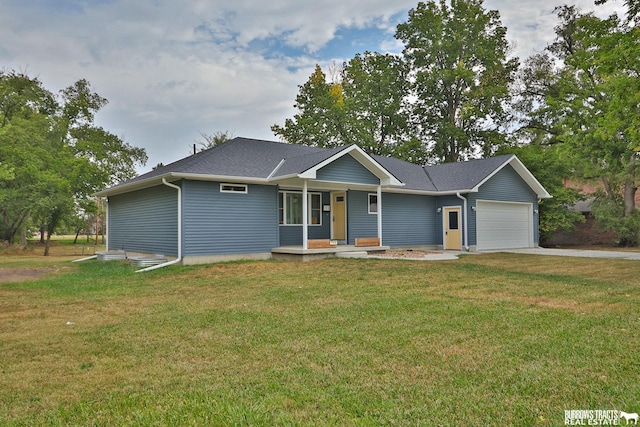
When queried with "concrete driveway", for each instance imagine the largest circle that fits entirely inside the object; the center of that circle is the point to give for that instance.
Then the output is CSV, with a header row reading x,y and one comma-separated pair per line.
x,y
577,253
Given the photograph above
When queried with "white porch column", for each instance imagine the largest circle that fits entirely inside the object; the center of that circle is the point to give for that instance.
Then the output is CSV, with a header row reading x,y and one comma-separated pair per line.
x,y
305,216
379,196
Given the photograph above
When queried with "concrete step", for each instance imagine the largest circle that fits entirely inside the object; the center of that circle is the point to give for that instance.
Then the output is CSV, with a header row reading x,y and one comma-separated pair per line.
x,y
352,254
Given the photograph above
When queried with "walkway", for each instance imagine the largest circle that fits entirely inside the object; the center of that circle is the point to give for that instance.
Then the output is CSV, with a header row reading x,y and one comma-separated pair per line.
x,y
582,253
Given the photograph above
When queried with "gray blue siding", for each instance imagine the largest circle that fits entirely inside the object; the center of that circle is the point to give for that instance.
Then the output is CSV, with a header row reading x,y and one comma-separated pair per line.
x,y
408,220
229,223
347,169
360,223
506,186
145,221
292,234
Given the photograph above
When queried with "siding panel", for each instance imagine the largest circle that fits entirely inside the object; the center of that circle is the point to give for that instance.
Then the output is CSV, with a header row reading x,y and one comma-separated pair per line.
x,y
229,223
145,221
360,223
408,220
347,169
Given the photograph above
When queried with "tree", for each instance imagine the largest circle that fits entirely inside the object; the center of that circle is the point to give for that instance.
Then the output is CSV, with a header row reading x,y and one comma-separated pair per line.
x,y
212,140
53,156
585,93
374,87
321,118
362,105
461,76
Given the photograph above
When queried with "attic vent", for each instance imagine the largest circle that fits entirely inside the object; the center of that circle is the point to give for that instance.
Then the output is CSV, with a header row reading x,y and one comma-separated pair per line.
x,y
233,188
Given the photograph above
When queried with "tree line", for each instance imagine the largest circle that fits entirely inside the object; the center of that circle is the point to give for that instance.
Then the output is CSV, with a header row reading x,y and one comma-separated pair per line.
x,y
53,156
455,93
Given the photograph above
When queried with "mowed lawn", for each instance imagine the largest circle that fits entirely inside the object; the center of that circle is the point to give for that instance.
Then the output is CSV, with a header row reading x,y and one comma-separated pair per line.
x,y
491,339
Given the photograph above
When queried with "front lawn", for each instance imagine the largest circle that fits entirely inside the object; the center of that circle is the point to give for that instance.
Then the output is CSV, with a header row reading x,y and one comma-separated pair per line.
x,y
492,339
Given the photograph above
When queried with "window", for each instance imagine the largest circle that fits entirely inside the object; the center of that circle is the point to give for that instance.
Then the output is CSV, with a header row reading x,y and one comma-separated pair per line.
x,y
290,208
453,220
373,203
233,188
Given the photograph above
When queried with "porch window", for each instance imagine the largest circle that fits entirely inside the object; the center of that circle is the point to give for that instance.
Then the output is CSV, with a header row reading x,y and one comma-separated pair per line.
x,y
290,208
373,203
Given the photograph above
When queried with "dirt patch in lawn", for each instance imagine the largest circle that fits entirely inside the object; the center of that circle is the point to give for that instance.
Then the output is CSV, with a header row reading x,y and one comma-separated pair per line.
x,y
406,253
8,275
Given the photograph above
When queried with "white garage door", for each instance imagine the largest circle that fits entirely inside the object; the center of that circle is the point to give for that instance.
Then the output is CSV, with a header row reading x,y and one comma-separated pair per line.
x,y
501,225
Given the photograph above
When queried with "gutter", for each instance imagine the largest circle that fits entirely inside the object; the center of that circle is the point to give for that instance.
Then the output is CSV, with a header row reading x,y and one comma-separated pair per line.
x,y
179,259
466,228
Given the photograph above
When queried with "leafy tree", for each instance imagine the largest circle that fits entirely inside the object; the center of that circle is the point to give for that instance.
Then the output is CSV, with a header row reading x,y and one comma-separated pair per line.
x,y
52,156
550,165
374,87
461,76
584,92
363,105
321,118
212,140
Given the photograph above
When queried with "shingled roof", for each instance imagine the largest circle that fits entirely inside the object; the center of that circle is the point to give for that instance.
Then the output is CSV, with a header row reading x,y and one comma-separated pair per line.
x,y
262,161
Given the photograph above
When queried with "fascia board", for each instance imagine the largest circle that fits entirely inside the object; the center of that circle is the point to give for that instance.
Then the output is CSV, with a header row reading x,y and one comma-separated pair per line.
x,y
173,176
133,186
221,178
426,192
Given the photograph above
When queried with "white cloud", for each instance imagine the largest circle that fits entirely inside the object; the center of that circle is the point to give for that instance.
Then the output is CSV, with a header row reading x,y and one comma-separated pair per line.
x,y
171,69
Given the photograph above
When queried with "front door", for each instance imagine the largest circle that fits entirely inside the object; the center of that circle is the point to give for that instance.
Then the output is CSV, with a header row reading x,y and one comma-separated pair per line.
x,y
452,228
339,216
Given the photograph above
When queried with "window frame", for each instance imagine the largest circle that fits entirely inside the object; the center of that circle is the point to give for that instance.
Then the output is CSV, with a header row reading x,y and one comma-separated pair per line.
x,y
227,184
282,208
369,196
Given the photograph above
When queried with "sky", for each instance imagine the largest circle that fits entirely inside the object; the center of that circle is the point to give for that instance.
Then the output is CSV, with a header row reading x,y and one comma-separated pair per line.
x,y
172,70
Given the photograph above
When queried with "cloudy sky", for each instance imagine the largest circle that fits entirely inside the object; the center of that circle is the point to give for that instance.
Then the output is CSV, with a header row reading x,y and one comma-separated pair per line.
x,y
172,69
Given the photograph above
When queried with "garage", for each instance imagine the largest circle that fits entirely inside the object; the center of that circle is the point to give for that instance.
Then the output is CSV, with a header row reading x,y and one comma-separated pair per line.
x,y
503,225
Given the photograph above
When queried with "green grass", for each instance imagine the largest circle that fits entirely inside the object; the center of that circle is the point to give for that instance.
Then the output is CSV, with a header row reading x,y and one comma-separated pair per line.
x,y
496,339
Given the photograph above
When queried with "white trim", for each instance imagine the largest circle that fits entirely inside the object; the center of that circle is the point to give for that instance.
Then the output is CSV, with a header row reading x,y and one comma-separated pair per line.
x,y
276,169
466,222
284,211
369,203
305,217
379,208
106,224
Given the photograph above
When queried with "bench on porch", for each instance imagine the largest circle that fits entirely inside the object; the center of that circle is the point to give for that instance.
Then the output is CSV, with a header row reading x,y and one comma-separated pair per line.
x,y
367,241
321,243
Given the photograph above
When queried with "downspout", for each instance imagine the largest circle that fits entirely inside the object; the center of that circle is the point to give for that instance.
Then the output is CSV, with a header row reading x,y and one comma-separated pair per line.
x,y
379,197
466,232
179,259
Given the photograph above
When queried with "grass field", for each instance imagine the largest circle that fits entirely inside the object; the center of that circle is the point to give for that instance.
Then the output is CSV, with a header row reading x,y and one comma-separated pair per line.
x,y
492,339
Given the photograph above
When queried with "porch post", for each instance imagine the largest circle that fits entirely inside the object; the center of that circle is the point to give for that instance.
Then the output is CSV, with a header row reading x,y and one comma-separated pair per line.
x,y
305,216
379,196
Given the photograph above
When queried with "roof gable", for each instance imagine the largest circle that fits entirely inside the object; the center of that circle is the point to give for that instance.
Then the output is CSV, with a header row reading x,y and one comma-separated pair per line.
x,y
469,176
